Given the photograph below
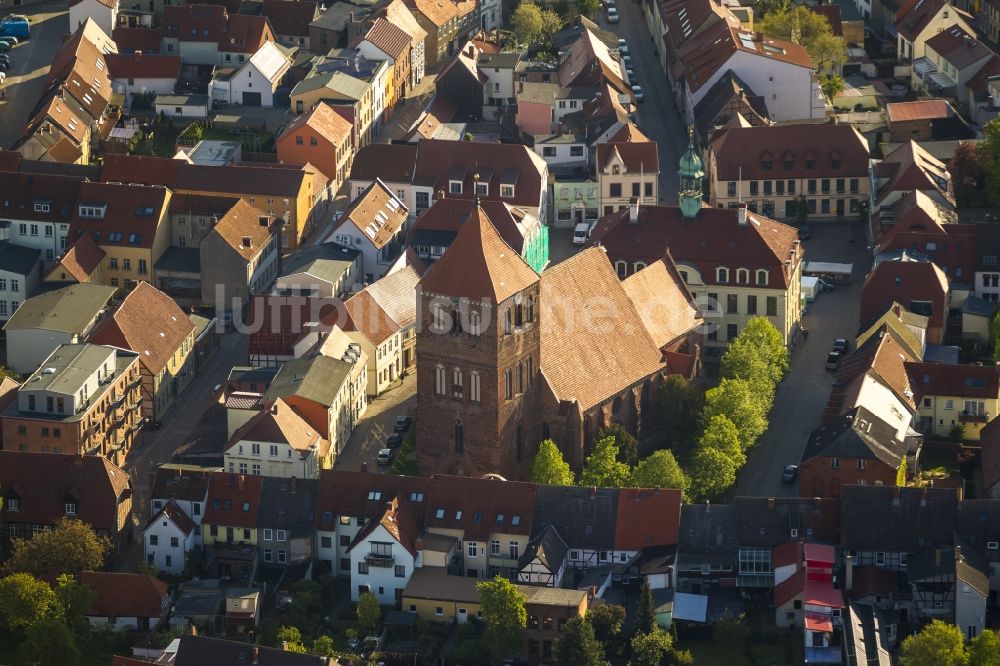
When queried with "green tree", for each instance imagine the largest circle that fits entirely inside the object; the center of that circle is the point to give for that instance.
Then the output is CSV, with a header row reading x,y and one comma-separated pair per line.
x,y
651,648
803,26
504,615
369,611
645,614
985,649
290,639
577,646
323,646
721,434
69,548
588,7
602,468
712,473
758,354
828,52
527,22
680,405
24,600
731,631
550,467
74,599
607,620
552,23
831,85
995,334
49,642
660,470
937,644
628,447
737,400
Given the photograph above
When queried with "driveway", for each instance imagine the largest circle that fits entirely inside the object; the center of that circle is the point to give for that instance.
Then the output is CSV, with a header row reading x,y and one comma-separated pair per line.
x,y
30,62
377,423
802,395
657,115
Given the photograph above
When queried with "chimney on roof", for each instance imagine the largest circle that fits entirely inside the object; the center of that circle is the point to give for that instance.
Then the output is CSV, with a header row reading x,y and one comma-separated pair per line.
x,y
633,211
741,214
937,556
274,408
439,195
848,572
239,482
770,504
284,646
293,485
591,593
192,630
593,492
256,655
959,494
364,466
923,496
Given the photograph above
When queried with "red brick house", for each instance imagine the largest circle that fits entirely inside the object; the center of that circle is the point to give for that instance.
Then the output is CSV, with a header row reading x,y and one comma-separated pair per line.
x,y
919,286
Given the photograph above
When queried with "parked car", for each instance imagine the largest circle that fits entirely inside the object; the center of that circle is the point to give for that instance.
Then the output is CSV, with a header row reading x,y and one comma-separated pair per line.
x,y
805,232
627,61
841,345
4,46
790,473
385,456
581,232
639,95
5,58
613,15
394,441
403,423
623,47
630,75
10,38
833,360
3,77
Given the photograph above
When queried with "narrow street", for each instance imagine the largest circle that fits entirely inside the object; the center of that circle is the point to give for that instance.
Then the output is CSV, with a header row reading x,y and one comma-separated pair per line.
x,y
802,395
377,423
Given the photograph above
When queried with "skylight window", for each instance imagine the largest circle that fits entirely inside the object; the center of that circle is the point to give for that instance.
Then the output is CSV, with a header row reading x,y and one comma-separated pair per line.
x,y
374,495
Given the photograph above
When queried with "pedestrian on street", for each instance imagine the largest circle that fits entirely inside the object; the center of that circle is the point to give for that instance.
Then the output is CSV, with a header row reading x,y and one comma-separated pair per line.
x,y
805,333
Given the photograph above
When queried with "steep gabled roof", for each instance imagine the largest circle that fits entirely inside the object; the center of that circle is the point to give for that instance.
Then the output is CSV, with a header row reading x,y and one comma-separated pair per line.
x,y
663,301
388,38
962,380
647,518
233,500
584,517
893,519
175,514
548,547
858,435
280,424
479,264
124,594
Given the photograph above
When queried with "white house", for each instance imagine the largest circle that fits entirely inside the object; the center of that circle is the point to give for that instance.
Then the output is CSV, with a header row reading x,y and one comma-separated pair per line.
x,y
140,74
544,560
383,554
182,106
36,209
254,83
168,537
374,225
184,485
125,600
919,21
278,442
103,12
20,272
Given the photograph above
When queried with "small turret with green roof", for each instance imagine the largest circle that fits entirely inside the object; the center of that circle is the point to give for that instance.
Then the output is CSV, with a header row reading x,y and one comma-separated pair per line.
x,y
691,175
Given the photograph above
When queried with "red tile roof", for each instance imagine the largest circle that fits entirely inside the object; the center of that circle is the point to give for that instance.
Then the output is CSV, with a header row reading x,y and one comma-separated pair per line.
x,y
322,119
449,214
790,552
194,23
180,484
387,37
640,157
19,192
174,513
290,17
398,520
81,259
281,424
377,213
132,211
790,588
245,33
147,40
141,66
362,494
904,282
125,594
647,518
233,500
140,169
915,15
930,109
714,238
479,264
978,83
946,379
910,167
740,152
663,302
479,507
366,316
877,581
8,392
959,47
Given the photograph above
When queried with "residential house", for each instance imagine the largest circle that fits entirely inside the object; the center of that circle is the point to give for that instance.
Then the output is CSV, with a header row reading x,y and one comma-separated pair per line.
x,y
387,41
447,24
285,522
374,224
277,442
395,296
242,609
290,21
102,12
549,609
436,596
647,519
917,21
38,213
130,39
858,448
193,650
727,102
924,225
544,560
318,388
324,270
83,400
976,316
338,345
775,169
383,553
989,441
952,398
348,84
627,171
321,137
40,489
460,82
143,74
125,600
399,15
184,106
920,286
169,538
924,120
987,280
951,59
707,548
229,528
284,328
53,318
391,163
149,323
210,35
949,583
331,27
574,202
20,274
584,518
255,82
436,228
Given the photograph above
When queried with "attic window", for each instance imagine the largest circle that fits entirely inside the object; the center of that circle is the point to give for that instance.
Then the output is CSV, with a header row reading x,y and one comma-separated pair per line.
x,y
477,517
458,515
70,508
483,189
93,210
515,520
246,241
416,497
439,514
374,495
454,187
41,207
246,507
992,545
229,505
499,519
216,504
134,238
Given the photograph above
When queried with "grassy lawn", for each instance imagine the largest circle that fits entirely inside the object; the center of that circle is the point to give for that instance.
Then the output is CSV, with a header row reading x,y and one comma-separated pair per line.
x,y
337,632
9,646
727,653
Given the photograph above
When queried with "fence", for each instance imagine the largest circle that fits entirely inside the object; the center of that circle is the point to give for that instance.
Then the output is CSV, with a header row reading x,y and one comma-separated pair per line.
x,y
861,117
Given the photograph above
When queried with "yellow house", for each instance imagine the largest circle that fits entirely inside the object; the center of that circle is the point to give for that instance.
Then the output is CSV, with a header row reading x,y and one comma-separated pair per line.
x,y
340,89
954,400
910,329
229,526
628,167
435,596
151,324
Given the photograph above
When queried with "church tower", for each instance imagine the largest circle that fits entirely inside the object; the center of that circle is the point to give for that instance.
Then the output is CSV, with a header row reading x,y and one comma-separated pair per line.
x,y
691,176
478,350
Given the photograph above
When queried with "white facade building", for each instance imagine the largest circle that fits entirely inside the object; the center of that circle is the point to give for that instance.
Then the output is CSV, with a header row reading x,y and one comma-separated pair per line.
x,y
168,538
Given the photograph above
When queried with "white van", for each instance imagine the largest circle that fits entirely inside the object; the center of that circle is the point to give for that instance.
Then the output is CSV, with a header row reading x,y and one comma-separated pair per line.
x,y
581,232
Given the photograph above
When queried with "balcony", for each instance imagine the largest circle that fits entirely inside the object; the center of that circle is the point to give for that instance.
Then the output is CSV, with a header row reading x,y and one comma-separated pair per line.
x,y
454,567
970,417
502,562
380,560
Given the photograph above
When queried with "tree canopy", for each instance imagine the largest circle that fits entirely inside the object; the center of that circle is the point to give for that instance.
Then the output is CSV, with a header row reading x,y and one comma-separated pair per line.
x,y
988,155
680,404
49,642
70,547
628,447
74,598
985,649
290,639
577,645
607,620
602,467
659,470
550,467
527,22
504,615
737,400
801,25
25,600
588,7
651,648
645,614
712,474
938,644
369,610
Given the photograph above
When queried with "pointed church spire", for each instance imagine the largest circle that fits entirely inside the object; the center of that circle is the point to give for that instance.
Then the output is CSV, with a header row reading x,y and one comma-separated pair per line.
x,y
691,175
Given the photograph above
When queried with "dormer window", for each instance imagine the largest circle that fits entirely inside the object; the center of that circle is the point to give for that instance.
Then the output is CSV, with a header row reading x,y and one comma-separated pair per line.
x,y
616,170
482,189
507,191
93,210
742,276
454,187
70,508
13,504
42,207
722,275
762,278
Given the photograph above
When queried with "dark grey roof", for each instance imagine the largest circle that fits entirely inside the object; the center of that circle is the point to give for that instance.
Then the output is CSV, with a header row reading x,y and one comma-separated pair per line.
x,y
328,261
584,517
205,651
978,306
69,309
728,87
931,562
548,547
708,528
287,510
768,522
503,60
874,518
17,258
978,524
565,38
244,373
180,259
858,435
865,637
317,378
